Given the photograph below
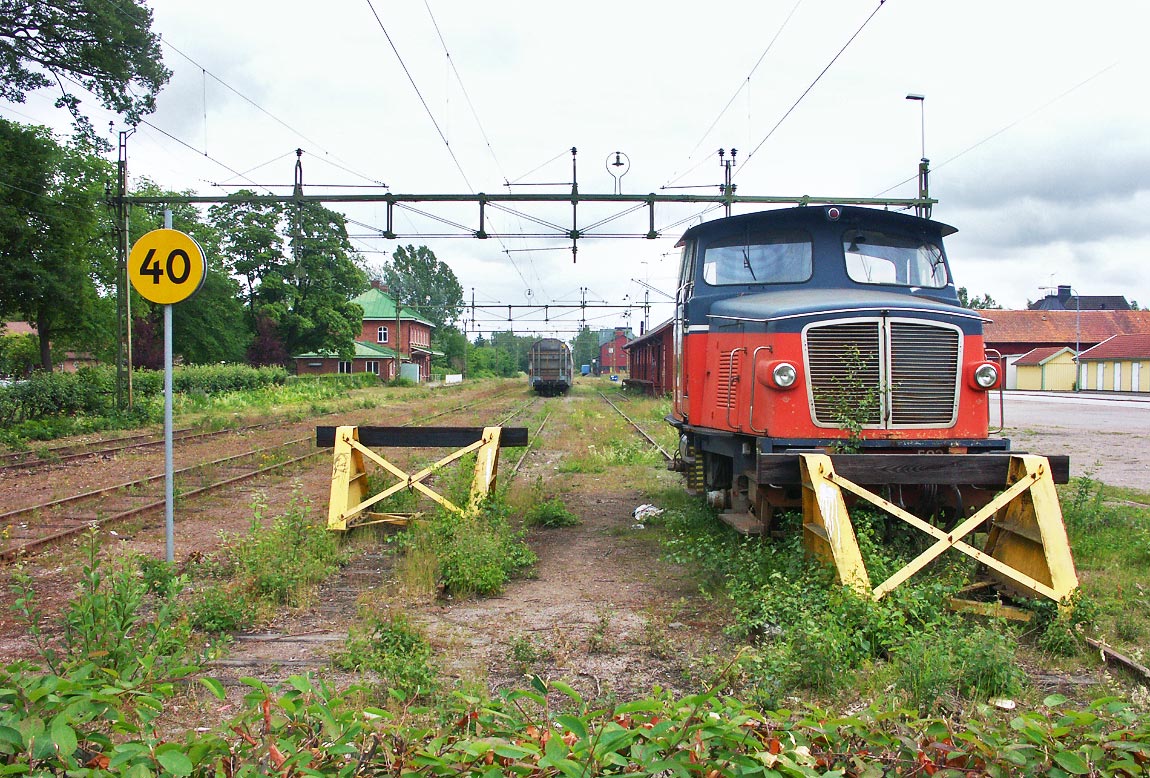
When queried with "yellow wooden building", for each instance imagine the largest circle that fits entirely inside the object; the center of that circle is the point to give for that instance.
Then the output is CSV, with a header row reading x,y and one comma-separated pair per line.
x,y
1119,364
1049,369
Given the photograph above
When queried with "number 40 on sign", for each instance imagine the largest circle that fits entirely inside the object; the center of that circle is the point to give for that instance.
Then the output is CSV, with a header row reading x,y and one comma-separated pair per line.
x,y
166,266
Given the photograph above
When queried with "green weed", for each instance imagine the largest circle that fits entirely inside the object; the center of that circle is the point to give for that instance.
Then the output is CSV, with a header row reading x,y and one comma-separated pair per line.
x,y
550,513
472,554
527,653
385,642
967,661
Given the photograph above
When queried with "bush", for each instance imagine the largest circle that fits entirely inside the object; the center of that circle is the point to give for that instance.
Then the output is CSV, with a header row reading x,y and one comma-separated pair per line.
x,y
473,554
264,568
971,662
112,627
385,642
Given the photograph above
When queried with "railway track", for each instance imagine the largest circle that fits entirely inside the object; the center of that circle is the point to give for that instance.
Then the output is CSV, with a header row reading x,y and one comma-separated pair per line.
x,y
30,528
637,428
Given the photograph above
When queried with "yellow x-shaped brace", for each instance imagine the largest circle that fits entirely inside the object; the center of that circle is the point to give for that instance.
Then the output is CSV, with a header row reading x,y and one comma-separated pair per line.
x,y
408,480
819,468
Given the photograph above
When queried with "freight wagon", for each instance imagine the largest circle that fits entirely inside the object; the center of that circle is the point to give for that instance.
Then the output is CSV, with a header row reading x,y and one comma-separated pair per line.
x,y
550,370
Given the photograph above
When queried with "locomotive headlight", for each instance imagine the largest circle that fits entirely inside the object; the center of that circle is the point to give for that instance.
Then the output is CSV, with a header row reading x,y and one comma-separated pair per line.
x,y
986,375
784,375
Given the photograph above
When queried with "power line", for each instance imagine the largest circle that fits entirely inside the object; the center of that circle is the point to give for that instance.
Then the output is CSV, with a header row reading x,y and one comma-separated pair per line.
x,y
419,94
1009,126
735,96
486,140
205,154
812,85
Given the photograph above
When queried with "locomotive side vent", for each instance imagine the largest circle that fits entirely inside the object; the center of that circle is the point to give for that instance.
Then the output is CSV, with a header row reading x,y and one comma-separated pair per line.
x,y
728,378
902,375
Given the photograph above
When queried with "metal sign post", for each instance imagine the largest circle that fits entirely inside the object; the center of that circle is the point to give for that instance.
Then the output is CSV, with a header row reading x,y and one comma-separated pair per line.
x,y
165,267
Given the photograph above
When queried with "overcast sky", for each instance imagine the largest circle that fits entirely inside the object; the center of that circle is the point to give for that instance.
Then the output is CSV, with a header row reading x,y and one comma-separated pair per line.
x,y
1036,124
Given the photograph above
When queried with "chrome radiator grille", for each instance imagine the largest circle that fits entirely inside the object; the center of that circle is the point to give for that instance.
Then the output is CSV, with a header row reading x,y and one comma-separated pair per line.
x,y
902,375
923,374
843,365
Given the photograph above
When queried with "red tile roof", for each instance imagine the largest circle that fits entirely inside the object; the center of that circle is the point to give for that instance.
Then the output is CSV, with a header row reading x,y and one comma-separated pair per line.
x,y
1120,347
1062,326
18,328
1039,355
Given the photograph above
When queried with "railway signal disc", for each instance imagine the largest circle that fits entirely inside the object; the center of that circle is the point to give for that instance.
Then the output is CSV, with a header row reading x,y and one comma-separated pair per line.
x,y
166,266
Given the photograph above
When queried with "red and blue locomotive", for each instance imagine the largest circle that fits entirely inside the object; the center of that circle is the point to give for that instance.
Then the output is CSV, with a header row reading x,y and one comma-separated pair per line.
x,y
832,328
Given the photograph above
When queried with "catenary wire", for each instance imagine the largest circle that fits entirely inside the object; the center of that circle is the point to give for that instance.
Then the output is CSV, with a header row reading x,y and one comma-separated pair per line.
x,y
807,91
742,85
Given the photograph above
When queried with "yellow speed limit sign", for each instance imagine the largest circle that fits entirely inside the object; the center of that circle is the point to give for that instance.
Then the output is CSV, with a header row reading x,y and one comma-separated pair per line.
x,y
166,266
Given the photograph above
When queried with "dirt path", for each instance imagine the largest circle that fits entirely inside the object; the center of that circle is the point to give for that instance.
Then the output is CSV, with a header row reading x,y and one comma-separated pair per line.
x,y
602,612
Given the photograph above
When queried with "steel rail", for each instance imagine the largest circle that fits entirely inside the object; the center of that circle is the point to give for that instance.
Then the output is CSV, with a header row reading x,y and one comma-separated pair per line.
x,y
638,429
95,448
20,548
528,447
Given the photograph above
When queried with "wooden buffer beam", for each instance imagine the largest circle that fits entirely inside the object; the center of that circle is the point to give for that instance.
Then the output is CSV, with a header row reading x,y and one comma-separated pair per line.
x,y
1026,552
349,505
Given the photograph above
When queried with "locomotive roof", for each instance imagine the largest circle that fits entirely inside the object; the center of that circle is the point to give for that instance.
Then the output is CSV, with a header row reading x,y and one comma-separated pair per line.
x,y
806,215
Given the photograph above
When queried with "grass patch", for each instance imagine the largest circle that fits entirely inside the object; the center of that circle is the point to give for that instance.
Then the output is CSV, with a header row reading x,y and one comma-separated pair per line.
x,y
466,555
550,513
263,569
385,642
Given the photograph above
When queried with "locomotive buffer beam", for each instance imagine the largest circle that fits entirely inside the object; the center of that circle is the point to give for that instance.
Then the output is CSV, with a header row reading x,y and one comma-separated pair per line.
x,y
1026,553
985,471
349,504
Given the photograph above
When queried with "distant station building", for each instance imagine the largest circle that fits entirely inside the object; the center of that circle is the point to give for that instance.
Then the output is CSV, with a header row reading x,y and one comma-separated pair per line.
x,y
387,342
612,357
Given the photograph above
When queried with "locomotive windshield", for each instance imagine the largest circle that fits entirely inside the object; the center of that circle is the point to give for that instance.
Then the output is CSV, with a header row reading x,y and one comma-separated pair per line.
x,y
886,258
774,257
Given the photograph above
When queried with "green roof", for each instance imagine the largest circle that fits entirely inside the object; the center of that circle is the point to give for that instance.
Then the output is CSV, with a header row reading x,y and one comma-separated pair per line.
x,y
363,350
380,305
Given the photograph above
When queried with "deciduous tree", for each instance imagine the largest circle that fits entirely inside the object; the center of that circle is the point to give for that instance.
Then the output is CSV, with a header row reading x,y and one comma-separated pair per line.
x,y
105,46
207,328
56,247
425,284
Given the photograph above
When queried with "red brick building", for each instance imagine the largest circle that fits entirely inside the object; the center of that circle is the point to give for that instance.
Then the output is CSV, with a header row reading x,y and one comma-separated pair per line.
x,y
387,340
612,357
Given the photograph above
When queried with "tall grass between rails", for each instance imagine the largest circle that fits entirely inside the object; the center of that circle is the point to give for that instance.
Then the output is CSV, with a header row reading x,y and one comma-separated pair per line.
x,y
264,569
1109,531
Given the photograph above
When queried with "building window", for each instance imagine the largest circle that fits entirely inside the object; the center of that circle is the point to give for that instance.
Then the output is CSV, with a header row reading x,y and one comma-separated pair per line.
x,y
381,335
371,366
344,367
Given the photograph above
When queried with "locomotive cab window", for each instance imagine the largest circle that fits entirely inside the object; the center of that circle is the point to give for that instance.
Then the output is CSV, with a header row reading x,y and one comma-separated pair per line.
x,y
776,257
883,258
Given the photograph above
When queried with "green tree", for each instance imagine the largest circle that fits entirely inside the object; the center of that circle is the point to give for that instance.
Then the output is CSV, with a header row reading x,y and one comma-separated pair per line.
x,y
250,240
56,247
106,46
425,284
308,299
985,302
19,354
453,344
211,326
585,347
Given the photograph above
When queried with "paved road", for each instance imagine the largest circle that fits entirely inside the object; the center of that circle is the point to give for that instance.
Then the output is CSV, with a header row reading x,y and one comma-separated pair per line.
x,y
1107,435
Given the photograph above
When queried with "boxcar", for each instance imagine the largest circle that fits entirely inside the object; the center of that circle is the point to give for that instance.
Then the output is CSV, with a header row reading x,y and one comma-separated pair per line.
x,y
651,361
549,367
